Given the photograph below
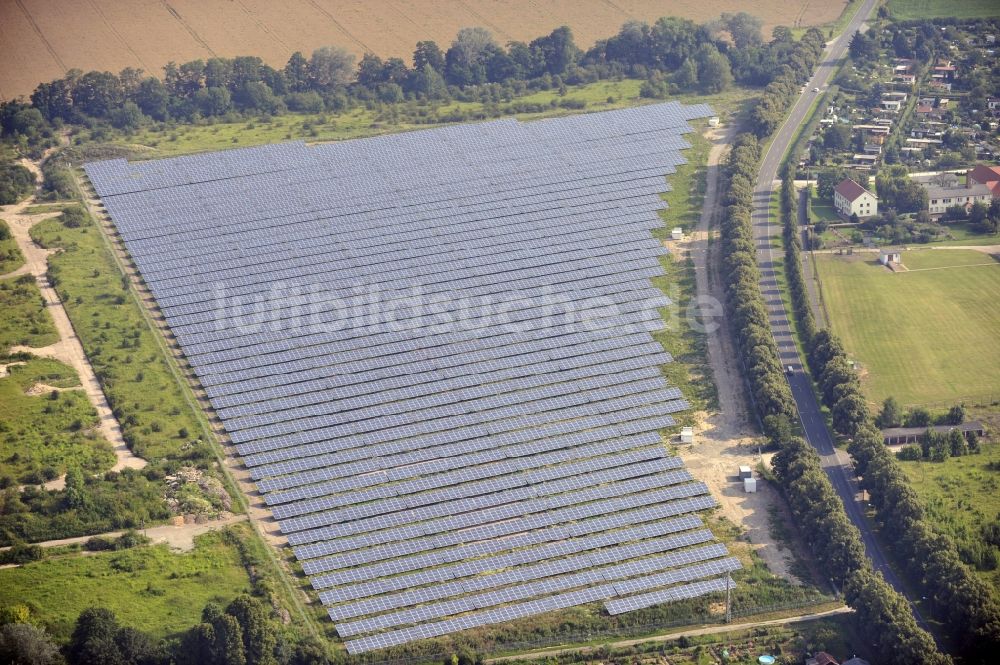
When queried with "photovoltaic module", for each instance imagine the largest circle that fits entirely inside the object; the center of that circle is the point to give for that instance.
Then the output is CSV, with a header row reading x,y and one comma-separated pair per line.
x,y
433,350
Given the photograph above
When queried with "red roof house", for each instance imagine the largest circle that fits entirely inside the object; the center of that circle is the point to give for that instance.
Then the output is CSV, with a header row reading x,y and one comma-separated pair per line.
x,y
985,175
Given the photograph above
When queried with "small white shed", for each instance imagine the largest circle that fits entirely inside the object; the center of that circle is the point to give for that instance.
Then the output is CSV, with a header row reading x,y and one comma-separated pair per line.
x,y
887,256
713,121
687,435
677,233
745,472
749,485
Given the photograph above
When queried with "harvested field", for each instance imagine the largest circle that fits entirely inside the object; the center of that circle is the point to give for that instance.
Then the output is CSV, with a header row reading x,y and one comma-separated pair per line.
x,y
41,39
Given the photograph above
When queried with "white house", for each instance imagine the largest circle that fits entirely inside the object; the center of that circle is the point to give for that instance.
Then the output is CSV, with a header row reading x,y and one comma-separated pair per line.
x,y
887,256
850,198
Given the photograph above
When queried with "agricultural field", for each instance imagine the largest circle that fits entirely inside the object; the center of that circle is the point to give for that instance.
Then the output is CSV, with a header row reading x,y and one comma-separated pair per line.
x,y
925,336
40,41
916,9
149,588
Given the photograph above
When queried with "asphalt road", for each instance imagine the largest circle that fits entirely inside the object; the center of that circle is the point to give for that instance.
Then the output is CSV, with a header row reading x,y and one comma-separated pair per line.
x,y
837,466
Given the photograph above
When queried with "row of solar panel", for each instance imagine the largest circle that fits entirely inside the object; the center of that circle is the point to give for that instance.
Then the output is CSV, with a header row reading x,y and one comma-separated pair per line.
x,y
629,420
513,542
457,484
372,275
519,611
310,486
558,576
297,314
118,176
467,402
522,565
454,568
353,391
603,186
400,465
258,204
449,350
600,335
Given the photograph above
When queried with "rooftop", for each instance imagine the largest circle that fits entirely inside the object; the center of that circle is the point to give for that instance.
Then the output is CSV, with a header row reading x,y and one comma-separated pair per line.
x,y
851,190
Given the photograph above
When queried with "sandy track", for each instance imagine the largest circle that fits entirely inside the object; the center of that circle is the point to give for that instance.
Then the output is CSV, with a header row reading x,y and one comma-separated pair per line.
x,y
725,439
178,537
68,349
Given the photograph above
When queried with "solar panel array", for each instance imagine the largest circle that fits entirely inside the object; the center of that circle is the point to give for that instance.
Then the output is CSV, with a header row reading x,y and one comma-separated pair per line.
x,y
433,352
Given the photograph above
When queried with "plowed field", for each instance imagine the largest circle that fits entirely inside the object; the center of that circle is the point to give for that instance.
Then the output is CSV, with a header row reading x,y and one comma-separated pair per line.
x,y
41,39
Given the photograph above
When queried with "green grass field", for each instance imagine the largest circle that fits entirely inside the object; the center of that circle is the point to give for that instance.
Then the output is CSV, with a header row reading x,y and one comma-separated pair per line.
x,y
153,142
39,435
10,255
117,340
25,320
149,588
823,209
960,495
925,336
906,10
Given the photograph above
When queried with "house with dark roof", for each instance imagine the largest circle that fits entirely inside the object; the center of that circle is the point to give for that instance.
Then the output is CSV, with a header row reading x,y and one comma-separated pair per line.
x,y
850,198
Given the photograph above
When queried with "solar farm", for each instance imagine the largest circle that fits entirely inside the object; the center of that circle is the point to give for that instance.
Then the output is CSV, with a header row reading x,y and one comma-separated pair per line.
x,y
433,351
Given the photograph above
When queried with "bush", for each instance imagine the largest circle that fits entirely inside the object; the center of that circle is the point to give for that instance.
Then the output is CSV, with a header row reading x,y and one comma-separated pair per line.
x,y
16,182
22,553
98,544
910,453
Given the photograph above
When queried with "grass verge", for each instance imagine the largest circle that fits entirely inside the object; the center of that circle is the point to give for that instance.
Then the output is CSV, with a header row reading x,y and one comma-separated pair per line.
x,y
11,257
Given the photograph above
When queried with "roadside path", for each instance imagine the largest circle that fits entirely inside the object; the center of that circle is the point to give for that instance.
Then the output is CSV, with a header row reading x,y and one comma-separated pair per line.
x,y
837,467
68,349
725,438
708,630
177,537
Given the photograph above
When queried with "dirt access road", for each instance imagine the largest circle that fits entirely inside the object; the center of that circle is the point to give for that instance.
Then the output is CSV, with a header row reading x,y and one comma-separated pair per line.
x,y
707,630
725,439
179,538
68,349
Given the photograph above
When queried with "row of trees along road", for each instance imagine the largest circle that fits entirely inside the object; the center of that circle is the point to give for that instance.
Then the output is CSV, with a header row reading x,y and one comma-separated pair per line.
x,y
962,602
885,617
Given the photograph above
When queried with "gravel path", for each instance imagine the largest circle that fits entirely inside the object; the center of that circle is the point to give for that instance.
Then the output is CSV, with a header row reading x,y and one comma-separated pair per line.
x,y
68,349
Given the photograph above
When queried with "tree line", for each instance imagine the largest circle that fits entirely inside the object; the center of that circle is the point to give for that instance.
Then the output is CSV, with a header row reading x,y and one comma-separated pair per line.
x,y
244,632
886,620
674,54
963,603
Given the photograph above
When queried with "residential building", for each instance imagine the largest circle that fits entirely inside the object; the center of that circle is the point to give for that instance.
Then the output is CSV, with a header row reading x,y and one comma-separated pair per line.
x,y
850,198
944,194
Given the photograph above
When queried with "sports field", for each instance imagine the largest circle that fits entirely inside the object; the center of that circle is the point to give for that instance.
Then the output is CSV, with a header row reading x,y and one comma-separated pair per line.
x,y
916,9
925,336
40,39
